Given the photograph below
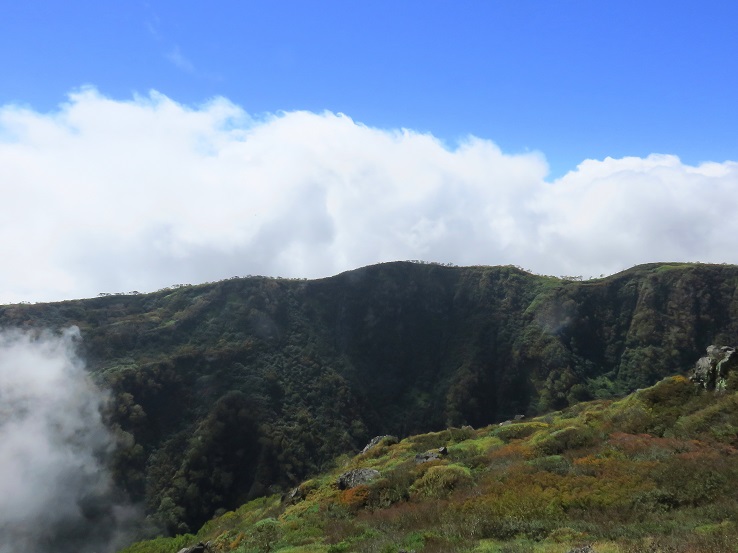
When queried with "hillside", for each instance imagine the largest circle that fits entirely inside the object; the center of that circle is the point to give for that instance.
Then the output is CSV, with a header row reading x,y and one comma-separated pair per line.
x,y
228,391
653,472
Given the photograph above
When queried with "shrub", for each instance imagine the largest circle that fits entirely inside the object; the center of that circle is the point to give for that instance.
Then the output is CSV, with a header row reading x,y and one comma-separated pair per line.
x,y
692,479
569,438
565,535
161,545
631,416
461,434
675,391
394,487
265,534
354,498
517,431
432,440
551,463
439,481
517,547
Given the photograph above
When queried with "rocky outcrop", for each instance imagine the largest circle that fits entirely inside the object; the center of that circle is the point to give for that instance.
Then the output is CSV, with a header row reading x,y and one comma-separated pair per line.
x,y
356,477
199,548
374,442
711,371
427,456
295,495
432,455
517,418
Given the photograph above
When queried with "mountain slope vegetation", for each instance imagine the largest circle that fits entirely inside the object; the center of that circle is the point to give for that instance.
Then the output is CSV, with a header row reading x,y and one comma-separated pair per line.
x,y
653,472
229,391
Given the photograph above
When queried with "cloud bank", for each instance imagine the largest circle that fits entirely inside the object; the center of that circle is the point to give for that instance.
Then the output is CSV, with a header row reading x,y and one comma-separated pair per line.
x,y
104,195
55,493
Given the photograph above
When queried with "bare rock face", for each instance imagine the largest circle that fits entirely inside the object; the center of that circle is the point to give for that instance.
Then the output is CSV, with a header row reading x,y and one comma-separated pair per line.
x,y
712,370
199,548
433,455
426,457
356,477
295,495
388,440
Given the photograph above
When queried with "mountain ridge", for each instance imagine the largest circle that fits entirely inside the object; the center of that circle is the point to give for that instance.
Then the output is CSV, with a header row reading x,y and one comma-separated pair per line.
x,y
223,390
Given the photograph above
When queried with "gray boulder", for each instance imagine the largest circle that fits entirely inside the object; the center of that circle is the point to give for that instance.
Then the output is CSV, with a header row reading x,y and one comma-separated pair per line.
x,y
198,548
356,477
388,440
295,495
427,456
711,371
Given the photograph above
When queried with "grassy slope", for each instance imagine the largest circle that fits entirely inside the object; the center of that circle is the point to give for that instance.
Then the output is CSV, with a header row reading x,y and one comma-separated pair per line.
x,y
655,471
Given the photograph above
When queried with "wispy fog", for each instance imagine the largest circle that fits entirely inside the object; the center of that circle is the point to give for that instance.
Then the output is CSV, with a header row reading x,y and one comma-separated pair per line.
x,y
55,492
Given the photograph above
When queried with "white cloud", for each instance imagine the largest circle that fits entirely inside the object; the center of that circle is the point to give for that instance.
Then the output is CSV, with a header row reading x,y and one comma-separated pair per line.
x,y
610,214
55,493
111,196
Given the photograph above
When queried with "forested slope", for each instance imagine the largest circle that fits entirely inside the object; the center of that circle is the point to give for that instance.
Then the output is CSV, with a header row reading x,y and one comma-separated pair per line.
x,y
652,472
221,391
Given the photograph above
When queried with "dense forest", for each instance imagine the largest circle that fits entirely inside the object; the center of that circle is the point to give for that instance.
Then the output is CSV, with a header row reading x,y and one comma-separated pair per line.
x,y
224,392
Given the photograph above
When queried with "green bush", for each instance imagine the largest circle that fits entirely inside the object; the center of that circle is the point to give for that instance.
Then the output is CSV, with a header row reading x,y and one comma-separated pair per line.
x,y
265,534
432,440
517,431
439,481
551,463
161,545
394,487
569,438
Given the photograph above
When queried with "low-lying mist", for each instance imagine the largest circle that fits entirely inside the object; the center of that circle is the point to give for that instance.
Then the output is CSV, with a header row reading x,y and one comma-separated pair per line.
x,y
55,491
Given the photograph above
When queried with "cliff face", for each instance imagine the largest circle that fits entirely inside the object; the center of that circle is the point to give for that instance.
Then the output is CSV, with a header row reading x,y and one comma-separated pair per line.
x,y
222,390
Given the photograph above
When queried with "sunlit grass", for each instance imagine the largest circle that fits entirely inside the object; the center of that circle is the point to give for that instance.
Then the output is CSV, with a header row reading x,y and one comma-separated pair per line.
x,y
605,473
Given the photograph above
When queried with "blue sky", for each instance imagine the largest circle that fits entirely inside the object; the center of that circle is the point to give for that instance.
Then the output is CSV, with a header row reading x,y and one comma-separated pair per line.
x,y
304,138
573,79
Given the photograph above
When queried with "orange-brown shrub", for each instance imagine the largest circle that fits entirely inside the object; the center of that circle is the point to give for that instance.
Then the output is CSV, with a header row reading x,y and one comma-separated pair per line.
x,y
354,498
